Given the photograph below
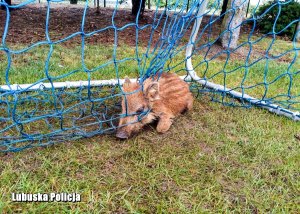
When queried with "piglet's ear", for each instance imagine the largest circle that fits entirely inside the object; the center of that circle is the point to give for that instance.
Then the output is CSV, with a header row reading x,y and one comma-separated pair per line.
x,y
152,91
127,81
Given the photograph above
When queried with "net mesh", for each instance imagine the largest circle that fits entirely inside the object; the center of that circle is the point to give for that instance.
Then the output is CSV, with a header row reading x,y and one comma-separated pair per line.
x,y
261,65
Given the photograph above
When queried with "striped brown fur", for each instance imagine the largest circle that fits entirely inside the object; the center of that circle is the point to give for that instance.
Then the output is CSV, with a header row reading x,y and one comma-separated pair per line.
x,y
166,97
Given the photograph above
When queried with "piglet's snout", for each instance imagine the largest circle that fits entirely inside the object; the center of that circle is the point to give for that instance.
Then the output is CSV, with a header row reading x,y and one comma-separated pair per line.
x,y
121,134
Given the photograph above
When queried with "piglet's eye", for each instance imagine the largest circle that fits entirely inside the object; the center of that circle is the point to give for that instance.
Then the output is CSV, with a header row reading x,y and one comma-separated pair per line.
x,y
140,110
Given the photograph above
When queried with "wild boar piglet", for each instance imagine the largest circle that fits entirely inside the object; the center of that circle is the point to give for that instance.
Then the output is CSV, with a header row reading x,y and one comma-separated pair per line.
x,y
165,98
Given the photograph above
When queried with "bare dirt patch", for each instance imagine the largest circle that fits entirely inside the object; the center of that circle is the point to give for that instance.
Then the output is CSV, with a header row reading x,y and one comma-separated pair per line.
x,y
28,25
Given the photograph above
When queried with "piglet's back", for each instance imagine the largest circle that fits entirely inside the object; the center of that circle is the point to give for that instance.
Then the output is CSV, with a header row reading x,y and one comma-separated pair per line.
x,y
174,93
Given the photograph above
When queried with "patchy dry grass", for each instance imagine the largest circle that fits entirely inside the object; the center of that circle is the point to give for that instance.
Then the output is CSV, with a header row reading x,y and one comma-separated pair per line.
x,y
214,159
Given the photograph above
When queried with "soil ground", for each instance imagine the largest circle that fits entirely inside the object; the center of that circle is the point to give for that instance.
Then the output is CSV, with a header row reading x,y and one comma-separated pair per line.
x,y
27,25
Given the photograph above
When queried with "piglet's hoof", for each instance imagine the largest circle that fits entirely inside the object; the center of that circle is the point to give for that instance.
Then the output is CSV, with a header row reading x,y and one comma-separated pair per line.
x,y
122,135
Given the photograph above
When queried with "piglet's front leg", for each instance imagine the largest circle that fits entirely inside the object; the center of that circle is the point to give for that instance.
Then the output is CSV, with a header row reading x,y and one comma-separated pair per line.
x,y
164,123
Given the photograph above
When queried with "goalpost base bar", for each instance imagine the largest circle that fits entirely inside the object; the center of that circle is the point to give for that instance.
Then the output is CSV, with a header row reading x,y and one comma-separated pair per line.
x,y
58,85
254,101
75,84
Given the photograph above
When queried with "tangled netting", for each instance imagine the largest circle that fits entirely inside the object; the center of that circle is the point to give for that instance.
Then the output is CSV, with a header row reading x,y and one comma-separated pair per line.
x,y
56,108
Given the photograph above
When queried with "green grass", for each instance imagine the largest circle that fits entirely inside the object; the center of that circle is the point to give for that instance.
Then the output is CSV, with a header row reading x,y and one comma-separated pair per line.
x,y
29,67
275,74
215,159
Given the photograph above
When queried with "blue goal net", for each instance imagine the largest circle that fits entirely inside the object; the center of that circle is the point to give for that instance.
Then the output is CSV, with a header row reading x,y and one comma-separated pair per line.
x,y
62,65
